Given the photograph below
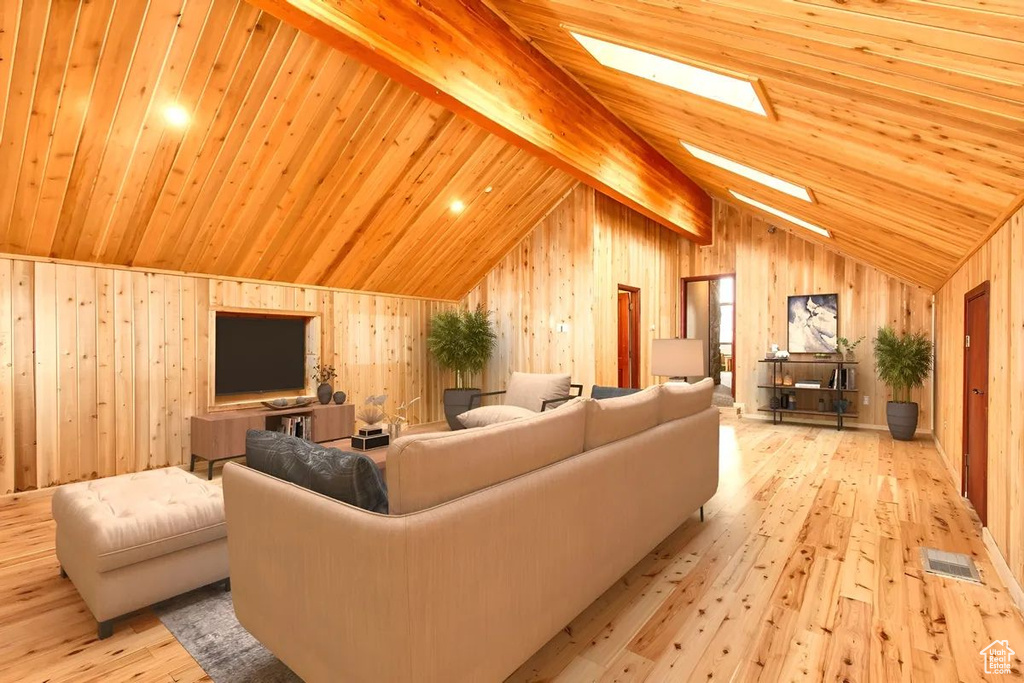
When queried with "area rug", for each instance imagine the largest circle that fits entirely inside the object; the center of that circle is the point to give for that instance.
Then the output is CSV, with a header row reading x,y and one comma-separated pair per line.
x,y
204,623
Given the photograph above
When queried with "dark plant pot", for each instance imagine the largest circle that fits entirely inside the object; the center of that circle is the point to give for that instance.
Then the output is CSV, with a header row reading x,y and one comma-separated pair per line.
x,y
339,397
902,418
456,402
323,392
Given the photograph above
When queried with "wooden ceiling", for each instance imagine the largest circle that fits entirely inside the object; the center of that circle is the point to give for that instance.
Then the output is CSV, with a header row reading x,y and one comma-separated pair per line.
x,y
298,163
905,117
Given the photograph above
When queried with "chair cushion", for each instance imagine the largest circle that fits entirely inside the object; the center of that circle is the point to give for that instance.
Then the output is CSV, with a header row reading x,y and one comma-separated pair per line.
x,y
616,418
491,415
352,478
600,393
128,519
530,389
680,399
425,470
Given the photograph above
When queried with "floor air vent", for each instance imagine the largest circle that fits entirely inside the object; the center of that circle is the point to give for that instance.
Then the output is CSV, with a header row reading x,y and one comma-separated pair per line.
x,y
950,565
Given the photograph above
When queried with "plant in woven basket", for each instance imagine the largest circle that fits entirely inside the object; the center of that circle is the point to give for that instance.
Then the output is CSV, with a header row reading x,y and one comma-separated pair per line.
x,y
462,340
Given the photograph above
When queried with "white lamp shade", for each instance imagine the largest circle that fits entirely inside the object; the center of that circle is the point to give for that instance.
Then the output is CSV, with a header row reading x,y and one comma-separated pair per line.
x,y
678,358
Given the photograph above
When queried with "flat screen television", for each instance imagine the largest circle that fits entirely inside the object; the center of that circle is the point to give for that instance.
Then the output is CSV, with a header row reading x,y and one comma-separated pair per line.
x,y
259,355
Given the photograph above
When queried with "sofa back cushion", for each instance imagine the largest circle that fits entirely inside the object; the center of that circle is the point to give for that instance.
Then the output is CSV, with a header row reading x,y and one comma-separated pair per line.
x,y
424,470
485,416
612,419
679,399
530,389
352,478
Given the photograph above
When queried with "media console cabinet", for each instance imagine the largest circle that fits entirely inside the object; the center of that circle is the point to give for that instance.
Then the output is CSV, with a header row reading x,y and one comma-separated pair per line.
x,y
221,435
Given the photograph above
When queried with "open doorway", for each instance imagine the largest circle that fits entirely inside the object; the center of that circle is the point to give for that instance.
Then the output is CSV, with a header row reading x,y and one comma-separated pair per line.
x,y
629,337
708,313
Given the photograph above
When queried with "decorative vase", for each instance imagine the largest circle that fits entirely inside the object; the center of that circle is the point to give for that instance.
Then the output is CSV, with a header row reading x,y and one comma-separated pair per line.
x,y
821,405
850,356
902,419
339,397
775,403
323,392
841,405
395,430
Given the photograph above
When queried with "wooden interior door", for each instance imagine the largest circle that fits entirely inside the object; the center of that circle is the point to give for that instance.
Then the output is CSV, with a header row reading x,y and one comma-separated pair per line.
x,y
624,373
629,337
975,446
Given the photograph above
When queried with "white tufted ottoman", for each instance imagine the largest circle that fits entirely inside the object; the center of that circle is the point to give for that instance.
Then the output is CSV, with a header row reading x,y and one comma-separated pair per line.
x,y
130,541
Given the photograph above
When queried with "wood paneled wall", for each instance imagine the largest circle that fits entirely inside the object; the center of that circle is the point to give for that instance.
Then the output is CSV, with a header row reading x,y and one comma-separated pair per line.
x,y
1001,262
101,368
770,267
569,268
566,273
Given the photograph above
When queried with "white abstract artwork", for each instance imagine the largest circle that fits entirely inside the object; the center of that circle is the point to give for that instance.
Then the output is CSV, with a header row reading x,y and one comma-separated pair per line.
x,y
813,323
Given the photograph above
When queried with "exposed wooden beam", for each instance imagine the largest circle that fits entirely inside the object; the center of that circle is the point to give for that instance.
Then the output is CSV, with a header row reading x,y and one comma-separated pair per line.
x,y
461,54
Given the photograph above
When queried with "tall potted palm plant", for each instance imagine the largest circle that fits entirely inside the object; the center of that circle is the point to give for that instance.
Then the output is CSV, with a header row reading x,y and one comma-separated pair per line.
x,y
461,340
902,363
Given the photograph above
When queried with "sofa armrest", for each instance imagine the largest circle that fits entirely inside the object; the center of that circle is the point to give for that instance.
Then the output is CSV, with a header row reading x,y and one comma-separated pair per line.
x,y
311,575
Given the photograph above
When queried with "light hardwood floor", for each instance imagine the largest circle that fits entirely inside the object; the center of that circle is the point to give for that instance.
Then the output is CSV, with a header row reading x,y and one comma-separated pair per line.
x,y
806,569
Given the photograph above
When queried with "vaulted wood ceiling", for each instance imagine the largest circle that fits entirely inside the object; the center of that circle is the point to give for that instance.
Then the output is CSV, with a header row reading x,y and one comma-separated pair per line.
x,y
905,117
298,163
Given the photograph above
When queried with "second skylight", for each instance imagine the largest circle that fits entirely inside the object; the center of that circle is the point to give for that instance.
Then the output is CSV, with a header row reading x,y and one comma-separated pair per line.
x,y
750,173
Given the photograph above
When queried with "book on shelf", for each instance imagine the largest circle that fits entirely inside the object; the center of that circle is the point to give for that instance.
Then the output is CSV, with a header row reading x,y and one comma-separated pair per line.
x,y
300,426
845,379
808,384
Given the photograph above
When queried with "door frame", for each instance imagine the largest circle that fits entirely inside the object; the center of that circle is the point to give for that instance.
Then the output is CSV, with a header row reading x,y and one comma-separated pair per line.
x,y
634,332
735,298
984,289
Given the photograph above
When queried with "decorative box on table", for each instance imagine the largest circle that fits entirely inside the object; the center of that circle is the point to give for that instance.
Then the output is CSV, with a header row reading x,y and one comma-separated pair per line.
x,y
368,438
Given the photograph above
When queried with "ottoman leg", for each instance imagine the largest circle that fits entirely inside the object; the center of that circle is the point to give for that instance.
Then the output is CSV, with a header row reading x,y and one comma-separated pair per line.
x,y
227,585
105,629
192,464
209,471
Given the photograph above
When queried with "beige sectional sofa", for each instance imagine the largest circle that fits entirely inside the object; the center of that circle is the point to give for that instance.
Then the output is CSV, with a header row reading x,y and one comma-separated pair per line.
x,y
497,538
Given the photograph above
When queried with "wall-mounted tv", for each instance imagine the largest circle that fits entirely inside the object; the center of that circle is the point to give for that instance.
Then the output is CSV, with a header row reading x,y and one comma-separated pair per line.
x,y
259,354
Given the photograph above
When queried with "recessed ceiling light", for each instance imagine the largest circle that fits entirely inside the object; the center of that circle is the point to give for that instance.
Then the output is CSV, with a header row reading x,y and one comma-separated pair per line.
x,y
176,115
737,92
749,173
457,206
781,214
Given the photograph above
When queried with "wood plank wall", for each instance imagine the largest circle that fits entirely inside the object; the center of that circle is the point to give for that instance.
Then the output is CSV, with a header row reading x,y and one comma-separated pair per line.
x,y
1001,262
101,368
770,267
569,268
567,272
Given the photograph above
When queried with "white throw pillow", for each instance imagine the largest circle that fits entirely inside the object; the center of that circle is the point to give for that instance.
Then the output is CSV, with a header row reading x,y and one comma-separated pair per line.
x,y
530,389
492,415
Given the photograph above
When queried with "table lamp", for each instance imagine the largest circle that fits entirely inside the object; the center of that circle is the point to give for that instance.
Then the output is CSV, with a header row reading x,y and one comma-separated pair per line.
x,y
678,358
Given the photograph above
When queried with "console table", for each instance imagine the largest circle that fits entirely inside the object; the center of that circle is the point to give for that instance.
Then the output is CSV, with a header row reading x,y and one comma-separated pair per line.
x,y
221,435
777,370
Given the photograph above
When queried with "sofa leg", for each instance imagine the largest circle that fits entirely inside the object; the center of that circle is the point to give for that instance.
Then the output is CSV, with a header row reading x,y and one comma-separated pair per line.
x,y
702,513
63,574
227,585
105,629
209,471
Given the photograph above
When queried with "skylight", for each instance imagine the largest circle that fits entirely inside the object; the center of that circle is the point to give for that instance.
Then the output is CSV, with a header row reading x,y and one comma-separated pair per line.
x,y
781,214
736,92
749,173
